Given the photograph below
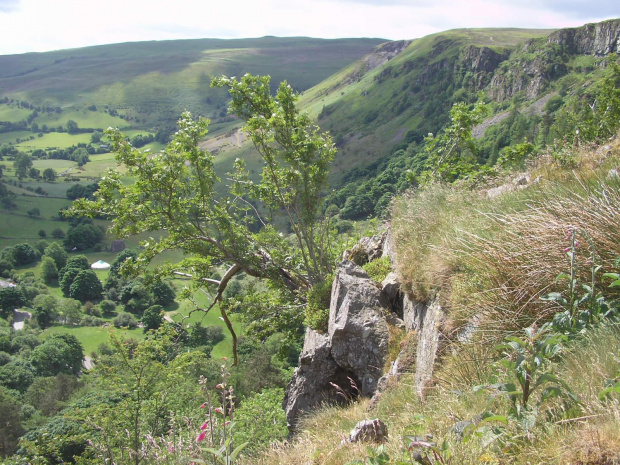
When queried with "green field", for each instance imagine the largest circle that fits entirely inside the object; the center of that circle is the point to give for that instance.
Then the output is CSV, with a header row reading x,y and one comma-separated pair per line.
x,y
54,140
92,336
84,119
17,226
11,137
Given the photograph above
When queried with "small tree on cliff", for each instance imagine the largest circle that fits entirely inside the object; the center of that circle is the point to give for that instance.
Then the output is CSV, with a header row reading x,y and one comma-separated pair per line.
x,y
175,191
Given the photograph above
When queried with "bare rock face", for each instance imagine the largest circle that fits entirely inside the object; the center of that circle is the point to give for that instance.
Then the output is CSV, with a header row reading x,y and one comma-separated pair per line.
x,y
367,249
310,386
353,350
598,39
358,330
426,318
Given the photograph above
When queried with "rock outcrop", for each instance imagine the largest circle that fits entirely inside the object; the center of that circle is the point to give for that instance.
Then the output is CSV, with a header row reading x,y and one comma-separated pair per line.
x,y
369,431
599,39
539,61
427,319
353,351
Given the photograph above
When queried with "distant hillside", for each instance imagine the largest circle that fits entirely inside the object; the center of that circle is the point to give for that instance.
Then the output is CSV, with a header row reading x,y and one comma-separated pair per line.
x,y
155,81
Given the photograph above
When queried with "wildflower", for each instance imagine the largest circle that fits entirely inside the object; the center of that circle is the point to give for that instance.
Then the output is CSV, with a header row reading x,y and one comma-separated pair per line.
x,y
219,410
566,249
220,386
203,405
204,425
201,436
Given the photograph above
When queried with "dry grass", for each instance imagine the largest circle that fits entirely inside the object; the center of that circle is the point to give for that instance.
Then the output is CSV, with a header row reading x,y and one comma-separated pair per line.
x,y
495,258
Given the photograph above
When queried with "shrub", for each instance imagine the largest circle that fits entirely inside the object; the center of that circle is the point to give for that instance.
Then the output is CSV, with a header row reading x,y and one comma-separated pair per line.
x,y
317,307
378,269
125,320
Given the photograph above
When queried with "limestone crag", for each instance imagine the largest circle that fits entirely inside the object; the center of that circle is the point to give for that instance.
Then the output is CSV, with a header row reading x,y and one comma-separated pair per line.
x,y
599,39
354,350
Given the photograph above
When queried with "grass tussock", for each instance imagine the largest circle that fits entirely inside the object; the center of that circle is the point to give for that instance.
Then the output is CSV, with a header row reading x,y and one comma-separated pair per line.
x,y
496,257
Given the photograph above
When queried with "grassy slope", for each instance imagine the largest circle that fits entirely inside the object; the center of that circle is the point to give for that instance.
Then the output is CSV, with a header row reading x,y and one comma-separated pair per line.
x,y
130,75
493,258
367,118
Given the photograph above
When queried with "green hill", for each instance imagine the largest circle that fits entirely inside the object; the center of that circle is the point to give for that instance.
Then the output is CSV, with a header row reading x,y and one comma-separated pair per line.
x,y
153,82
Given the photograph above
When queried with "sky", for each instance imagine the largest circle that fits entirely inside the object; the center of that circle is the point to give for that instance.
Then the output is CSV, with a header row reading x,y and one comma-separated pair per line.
x,y
43,25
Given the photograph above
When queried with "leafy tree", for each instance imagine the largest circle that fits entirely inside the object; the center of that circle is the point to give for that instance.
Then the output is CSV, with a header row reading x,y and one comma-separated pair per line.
x,y
45,309
60,353
5,267
56,253
66,277
163,293
58,233
10,299
86,286
22,163
49,271
176,192
136,297
153,317
95,137
451,154
49,175
24,254
17,375
42,234
34,212
72,127
81,156
40,246
70,310
125,320
83,236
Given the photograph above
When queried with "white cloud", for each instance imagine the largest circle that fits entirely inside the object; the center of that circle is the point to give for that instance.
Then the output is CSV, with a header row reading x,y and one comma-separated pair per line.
x,y
40,25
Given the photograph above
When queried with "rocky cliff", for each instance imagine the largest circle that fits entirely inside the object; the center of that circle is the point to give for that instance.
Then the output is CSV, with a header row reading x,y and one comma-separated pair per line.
x,y
351,357
532,66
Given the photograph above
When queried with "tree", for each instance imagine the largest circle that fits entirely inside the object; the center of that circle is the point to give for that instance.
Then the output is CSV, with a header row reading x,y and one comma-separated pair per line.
x,y
83,236
163,293
49,271
24,254
86,286
70,310
34,212
22,163
34,173
45,309
49,175
17,375
60,353
153,317
72,127
451,154
81,156
176,192
56,253
10,299
58,233
95,137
